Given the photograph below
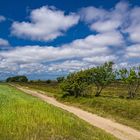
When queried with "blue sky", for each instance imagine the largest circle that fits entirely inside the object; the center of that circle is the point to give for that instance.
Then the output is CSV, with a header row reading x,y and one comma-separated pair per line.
x,y
48,38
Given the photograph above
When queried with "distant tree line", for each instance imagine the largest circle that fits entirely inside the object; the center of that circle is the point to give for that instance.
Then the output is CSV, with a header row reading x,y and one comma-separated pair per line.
x,y
76,84
17,79
25,79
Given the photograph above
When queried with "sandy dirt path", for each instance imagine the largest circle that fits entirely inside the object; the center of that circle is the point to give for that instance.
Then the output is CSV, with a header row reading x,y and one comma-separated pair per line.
x,y
120,131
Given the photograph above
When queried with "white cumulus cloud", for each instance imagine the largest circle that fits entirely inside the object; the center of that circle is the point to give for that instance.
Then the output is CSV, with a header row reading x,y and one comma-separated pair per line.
x,y
47,23
115,37
2,18
92,45
4,42
133,51
102,20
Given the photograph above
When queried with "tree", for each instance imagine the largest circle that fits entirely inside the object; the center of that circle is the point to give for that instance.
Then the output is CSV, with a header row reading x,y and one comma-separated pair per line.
x,y
17,79
101,76
22,79
131,77
75,84
48,81
60,79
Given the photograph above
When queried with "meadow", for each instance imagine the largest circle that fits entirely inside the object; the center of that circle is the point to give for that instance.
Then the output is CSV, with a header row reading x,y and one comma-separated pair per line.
x,y
23,117
111,104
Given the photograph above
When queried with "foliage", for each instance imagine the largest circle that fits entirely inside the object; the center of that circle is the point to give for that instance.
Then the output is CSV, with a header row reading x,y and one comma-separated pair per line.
x,y
60,79
17,79
75,83
48,81
102,76
131,77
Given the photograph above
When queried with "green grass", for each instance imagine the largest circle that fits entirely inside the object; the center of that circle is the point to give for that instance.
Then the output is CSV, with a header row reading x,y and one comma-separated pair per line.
x,y
109,105
121,110
23,117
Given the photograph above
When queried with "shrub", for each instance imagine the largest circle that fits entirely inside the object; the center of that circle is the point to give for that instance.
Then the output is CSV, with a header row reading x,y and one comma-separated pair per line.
x,y
75,84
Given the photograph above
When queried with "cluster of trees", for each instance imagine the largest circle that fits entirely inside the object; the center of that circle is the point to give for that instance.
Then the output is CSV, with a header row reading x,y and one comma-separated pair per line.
x,y
17,79
75,84
48,81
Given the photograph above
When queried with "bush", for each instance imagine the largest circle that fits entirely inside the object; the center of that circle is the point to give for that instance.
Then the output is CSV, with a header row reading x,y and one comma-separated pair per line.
x,y
75,84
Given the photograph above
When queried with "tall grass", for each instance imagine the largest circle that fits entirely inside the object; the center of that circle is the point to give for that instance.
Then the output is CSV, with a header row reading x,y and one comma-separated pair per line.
x,y
23,117
110,105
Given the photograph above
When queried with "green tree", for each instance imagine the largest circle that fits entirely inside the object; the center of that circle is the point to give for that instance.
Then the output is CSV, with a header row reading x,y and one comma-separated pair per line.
x,y
48,81
131,77
101,76
75,84
17,79
60,79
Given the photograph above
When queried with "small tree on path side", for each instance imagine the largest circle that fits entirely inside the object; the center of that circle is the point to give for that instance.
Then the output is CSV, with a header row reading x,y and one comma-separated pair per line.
x,y
131,77
102,76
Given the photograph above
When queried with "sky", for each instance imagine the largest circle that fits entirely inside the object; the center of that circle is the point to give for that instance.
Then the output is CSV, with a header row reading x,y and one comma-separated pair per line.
x,y
45,39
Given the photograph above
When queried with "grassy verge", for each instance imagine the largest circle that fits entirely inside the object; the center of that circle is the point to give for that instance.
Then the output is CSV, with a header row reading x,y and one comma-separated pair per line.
x,y
108,105
23,117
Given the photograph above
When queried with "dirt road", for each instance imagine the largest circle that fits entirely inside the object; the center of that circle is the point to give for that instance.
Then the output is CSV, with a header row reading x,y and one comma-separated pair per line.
x,y
120,131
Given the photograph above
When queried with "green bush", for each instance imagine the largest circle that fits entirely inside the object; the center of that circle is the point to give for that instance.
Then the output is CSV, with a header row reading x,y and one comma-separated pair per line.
x,y
75,84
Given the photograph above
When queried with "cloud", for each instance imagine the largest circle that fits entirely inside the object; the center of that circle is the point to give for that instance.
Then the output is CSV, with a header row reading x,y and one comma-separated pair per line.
x,y
115,37
90,14
102,20
133,28
101,59
47,23
133,51
79,54
68,66
4,42
92,45
2,18
105,26
123,18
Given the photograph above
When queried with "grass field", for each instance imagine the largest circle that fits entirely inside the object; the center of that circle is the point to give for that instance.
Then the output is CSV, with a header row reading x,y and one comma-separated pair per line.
x,y
109,105
23,117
